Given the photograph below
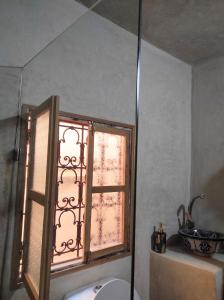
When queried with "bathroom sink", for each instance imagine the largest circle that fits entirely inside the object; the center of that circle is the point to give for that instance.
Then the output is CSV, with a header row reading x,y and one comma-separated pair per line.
x,y
200,241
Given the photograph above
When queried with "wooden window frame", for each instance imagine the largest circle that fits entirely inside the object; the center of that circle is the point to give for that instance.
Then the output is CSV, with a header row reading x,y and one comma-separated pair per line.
x,y
90,259
106,189
19,209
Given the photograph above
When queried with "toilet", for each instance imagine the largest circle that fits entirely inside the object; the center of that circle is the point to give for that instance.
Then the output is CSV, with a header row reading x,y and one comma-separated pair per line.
x,y
108,289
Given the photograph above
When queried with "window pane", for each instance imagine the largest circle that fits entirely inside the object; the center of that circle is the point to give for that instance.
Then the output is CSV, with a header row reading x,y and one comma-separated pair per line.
x,y
109,159
107,222
35,244
70,206
40,153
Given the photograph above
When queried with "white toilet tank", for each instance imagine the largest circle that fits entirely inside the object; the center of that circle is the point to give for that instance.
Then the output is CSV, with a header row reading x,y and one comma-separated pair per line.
x,y
109,289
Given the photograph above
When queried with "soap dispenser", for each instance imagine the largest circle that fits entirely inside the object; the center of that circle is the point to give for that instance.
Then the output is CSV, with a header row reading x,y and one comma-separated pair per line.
x,y
158,239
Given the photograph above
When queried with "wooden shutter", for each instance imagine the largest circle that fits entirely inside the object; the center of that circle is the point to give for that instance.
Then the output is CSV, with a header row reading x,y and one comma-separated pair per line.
x,y
41,196
108,191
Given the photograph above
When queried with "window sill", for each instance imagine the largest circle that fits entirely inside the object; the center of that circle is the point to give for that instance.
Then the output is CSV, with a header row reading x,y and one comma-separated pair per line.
x,y
84,266
81,267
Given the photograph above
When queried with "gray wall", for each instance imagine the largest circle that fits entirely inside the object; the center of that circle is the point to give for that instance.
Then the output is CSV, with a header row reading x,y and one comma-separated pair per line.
x,y
164,151
26,27
208,143
106,55
9,92
92,67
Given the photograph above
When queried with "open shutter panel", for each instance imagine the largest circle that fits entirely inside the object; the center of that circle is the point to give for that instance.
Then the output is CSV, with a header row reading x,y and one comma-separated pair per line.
x,y
41,197
108,191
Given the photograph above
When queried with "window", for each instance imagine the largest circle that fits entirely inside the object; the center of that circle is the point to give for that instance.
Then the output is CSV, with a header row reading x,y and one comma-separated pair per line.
x,y
75,178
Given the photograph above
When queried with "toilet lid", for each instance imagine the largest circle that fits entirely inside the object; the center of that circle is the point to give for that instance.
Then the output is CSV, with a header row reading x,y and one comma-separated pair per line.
x,y
116,289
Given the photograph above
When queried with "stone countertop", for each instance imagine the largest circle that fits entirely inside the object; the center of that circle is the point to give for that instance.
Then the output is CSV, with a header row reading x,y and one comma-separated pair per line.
x,y
179,275
213,262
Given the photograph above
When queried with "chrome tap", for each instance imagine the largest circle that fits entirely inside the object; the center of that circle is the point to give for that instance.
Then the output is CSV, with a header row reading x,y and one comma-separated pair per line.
x,y
187,221
190,206
183,223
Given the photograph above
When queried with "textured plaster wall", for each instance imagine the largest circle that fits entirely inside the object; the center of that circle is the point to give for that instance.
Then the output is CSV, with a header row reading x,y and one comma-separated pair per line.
x,y
92,67
164,159
208,143
9,91
26,27
189,30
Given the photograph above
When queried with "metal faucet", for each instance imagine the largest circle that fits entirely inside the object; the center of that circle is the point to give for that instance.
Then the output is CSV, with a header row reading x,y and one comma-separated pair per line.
x,y
183,223
190,206
187,221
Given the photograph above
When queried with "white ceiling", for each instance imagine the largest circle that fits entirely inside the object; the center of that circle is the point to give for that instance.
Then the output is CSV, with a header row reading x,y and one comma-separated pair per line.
x,y
192,30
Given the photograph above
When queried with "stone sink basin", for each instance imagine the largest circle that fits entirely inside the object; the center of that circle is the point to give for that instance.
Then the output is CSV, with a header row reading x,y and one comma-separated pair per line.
x,y
202,242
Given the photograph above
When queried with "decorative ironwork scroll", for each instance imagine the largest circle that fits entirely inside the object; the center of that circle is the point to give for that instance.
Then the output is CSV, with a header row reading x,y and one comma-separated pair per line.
x,y
107,222
107,215
70,203
109,159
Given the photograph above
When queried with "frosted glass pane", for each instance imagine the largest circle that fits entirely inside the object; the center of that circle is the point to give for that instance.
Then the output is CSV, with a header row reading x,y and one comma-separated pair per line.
x,y
71,202
107,222
35,244
109,159
40,152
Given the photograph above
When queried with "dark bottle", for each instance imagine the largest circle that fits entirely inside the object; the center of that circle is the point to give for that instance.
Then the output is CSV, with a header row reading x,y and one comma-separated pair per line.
x,y
158,240
162,244
153,238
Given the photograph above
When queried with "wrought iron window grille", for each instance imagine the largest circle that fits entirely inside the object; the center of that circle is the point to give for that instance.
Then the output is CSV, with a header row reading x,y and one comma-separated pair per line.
x,y
70,252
